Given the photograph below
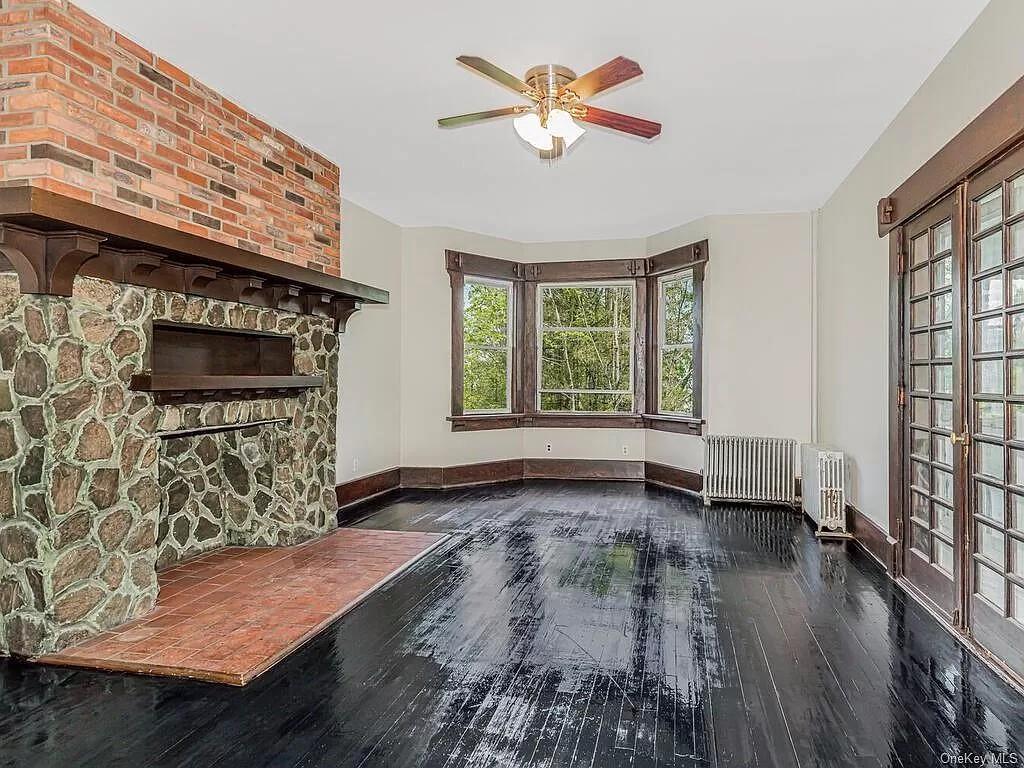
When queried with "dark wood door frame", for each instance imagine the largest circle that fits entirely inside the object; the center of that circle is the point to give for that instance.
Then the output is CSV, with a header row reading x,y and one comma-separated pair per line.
x,y
992,135
998,129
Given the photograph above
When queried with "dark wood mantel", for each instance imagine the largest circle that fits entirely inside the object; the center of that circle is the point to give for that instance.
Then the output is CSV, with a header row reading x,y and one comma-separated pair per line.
x,y
49,239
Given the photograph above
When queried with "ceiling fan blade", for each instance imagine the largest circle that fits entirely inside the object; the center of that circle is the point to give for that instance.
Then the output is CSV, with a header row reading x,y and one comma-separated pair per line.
x,y
618,70
475,117
498,75
625,123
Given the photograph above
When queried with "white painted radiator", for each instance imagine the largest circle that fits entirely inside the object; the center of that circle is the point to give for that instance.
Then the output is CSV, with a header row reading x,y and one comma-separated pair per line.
x,y
758,469
823,489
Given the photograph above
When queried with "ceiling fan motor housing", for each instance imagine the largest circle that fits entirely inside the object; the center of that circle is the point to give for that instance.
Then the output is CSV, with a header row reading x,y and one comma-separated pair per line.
x,y
548,80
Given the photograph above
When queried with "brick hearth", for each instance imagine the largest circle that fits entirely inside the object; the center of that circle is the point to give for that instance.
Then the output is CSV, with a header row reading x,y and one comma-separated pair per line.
x,y
229,615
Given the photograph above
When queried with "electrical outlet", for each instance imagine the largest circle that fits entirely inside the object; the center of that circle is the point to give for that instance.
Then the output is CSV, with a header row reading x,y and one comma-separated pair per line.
x,y
548,448
625,450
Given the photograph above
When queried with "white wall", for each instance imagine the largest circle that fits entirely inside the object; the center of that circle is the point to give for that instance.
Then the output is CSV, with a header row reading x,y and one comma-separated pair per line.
x,y
427,439
853,262
369,366
624,444
758,300
757,350
767,370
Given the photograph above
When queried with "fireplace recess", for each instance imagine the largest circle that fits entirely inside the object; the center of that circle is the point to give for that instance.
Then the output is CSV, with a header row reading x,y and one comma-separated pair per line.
x,y
189,363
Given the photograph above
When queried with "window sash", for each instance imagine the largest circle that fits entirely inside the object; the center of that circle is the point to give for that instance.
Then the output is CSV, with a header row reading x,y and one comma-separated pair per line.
x,y
664,346
508,347
637,402
542,329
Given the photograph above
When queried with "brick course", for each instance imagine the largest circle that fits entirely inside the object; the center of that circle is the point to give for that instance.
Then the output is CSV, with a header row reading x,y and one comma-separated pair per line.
x,y
86,112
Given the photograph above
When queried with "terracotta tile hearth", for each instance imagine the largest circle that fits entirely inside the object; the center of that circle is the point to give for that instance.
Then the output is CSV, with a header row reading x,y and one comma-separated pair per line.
x,y
231,614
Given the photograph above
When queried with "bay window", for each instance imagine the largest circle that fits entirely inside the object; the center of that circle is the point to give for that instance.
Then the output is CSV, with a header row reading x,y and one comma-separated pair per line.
x,y
609,343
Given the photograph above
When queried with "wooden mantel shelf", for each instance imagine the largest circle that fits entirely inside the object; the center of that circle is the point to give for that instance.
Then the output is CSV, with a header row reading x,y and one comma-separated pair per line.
x,y
50,238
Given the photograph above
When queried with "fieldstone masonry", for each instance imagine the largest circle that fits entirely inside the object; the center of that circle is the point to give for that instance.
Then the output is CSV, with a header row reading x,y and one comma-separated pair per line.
x,y
100,486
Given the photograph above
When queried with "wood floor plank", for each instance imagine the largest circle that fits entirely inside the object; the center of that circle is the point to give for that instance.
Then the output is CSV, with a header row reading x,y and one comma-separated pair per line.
x,y
590,625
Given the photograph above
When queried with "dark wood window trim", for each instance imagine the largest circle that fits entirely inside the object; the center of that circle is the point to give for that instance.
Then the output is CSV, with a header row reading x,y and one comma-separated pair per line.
x,y
688,258
525,277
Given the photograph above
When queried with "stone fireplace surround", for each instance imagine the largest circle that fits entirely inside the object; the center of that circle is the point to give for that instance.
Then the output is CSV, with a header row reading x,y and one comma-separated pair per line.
x,y
132,194
89,469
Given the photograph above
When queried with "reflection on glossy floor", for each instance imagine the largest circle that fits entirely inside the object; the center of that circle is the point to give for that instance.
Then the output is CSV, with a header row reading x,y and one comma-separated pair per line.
x,y
571,624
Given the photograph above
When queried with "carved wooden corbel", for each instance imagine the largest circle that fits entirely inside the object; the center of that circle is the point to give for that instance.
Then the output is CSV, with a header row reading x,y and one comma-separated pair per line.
x,y
317,303
47,262
198,278
343,310
137,265
247,289
285,296
122,266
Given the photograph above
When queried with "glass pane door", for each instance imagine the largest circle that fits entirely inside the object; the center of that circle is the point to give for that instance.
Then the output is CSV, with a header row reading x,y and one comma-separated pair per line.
x,y
934,414
995,536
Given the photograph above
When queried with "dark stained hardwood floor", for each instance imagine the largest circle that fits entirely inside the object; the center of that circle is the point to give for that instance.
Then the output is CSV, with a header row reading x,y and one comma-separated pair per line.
x,y
570,624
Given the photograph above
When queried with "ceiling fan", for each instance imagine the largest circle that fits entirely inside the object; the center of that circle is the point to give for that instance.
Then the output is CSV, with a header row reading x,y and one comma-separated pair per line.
x,y
557,95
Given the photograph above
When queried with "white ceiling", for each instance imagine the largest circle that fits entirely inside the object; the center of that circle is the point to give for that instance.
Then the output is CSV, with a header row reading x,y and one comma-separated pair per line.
x,y
766,106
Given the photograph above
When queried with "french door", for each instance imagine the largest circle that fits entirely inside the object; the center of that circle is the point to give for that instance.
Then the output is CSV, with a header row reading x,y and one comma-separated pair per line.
x,y
933,501
963,374
995,534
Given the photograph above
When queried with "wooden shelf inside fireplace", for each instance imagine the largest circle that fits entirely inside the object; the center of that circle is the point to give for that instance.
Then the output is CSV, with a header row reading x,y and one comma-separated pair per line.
x,y
197,362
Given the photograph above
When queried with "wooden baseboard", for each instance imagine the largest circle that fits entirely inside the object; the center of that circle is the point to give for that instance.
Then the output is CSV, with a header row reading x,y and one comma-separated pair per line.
x,y
872,539
583,469
462,475
363,489
673,477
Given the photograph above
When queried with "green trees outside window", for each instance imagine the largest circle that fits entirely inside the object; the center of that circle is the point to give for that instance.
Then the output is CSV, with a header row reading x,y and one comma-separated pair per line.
x,y
586,348
487,339
598,343
675,348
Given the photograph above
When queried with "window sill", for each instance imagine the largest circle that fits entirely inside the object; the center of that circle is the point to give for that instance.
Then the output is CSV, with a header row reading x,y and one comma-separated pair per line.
x,y
482,421
683,425
686,425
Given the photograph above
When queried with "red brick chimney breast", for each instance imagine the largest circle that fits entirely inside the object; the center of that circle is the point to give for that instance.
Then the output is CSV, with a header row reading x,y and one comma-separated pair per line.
x,y
86,112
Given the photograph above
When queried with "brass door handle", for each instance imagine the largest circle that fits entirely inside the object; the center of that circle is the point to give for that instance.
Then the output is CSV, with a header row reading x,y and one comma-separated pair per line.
x,y
964,438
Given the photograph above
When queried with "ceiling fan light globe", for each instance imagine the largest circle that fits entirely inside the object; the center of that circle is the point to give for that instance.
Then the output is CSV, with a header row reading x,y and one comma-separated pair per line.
x,y
530,130
561,124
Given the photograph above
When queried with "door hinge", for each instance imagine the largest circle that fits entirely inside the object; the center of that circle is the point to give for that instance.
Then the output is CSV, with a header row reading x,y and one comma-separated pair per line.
x,y
901,397
900,250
